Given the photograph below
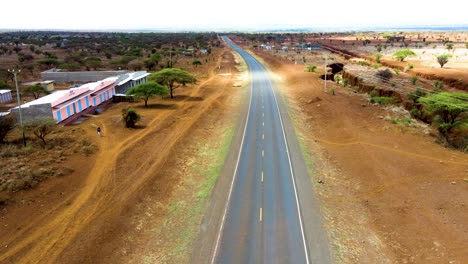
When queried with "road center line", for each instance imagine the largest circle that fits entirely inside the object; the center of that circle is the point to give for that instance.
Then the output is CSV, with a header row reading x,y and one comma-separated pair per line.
x,y
263,136
263,153
263,123
261,212
262,176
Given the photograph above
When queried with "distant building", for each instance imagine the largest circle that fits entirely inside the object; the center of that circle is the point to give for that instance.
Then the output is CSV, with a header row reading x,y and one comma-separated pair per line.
x,y
60,76
48,85
5,96
128,80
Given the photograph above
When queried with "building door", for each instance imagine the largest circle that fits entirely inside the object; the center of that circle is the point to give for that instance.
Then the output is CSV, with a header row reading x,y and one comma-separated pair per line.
x,y
94,101
74,108
87,102
79,106
59,116
68,111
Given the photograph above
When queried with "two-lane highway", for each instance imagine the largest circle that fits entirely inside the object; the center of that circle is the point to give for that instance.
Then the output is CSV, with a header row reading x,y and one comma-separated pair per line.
x,y
262,221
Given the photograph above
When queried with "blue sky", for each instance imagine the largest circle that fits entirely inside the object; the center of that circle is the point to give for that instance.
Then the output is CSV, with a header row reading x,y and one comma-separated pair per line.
x,y
217,15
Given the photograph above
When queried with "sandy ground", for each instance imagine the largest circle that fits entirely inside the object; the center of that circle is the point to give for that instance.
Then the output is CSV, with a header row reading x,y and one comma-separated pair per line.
x,y
128,204
389,193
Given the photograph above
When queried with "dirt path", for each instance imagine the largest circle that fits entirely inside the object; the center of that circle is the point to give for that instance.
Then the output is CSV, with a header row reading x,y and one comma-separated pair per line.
x,y
128,160
389,193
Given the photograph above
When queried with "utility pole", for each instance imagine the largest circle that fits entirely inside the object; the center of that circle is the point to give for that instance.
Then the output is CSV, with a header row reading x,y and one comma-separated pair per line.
x,y
15,72
326,72
170,56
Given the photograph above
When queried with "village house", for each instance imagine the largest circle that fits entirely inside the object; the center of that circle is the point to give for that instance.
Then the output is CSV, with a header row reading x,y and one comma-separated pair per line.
x,y
68,105
5,96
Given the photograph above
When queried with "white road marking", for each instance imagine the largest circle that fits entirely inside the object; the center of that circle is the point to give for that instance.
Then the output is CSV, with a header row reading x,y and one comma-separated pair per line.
x,y
262,176
261,214
223,220
263,123
263,153
263,136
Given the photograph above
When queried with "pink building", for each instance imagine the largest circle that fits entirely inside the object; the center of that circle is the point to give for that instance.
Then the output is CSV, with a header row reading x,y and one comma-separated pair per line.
x,y
66,104
76,100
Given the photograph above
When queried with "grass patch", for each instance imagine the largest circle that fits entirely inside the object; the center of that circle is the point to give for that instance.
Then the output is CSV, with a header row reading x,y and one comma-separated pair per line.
x,y
202,190
382,100
402,121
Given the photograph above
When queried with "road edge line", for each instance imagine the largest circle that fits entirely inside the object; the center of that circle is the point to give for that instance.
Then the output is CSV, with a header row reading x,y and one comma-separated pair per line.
x,y
291,169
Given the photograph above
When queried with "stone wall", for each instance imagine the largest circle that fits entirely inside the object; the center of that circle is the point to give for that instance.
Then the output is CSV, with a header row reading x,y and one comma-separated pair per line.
x,y
33,112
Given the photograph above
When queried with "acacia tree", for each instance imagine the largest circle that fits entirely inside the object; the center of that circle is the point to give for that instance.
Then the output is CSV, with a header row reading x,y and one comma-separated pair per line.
x,y
36,91
443,59
41,127
401,55
449,110
170,76
147,90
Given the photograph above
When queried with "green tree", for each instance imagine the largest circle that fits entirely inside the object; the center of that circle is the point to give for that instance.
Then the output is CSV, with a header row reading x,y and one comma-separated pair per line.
x,y
41,127
449,45
4,85
449,110
401,55
93,62
147,90
378,56
36,91
171,76
443,59
130,117
7,123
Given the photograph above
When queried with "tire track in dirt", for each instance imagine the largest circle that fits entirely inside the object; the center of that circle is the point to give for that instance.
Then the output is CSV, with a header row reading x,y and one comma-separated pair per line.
x,y
61,226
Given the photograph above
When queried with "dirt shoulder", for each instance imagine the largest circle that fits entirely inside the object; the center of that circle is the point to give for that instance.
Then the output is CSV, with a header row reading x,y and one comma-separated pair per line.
x,y
389,193
141,200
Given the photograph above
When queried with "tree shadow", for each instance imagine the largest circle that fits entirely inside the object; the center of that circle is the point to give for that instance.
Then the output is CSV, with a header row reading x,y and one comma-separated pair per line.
x,y
158,106
187,98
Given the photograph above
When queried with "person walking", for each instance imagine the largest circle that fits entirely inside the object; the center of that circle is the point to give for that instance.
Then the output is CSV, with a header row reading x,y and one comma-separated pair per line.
x,y
99,131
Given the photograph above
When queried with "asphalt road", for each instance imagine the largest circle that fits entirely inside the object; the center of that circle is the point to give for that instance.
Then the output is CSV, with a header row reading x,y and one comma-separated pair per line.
x,y
263,221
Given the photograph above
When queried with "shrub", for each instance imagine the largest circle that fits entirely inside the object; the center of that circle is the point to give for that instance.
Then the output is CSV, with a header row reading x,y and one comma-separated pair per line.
x,y
414,79
409,67
363,63
345,82
415,113
338,78
384,75
438,85
311,68
7,123
130,117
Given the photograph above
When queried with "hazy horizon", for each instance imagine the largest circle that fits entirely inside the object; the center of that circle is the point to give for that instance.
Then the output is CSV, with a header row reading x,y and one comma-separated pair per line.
x,y
243,15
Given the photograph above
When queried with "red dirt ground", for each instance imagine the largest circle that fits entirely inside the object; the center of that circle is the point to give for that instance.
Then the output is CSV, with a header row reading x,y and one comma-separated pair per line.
x,y
389,193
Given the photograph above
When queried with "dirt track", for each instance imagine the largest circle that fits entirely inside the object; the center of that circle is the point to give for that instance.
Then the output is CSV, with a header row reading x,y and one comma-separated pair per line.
x,y
390,194
85,226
